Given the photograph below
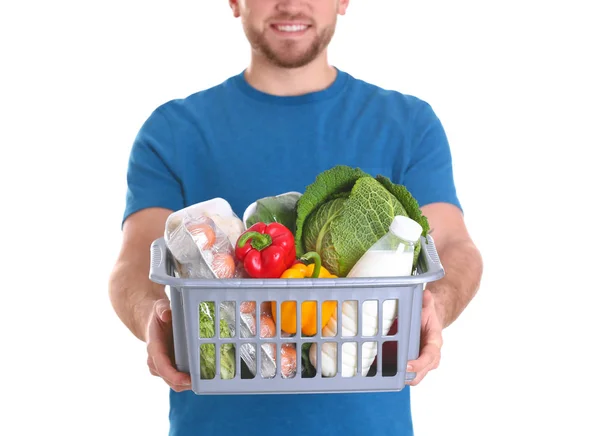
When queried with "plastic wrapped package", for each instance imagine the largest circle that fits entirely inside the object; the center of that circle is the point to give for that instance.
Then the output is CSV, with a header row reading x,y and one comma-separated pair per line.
x,y
201,247
267,330
207,351
218,210
248,330
201,239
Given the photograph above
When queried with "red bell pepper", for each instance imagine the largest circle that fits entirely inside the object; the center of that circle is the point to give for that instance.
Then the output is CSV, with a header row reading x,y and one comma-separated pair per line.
x,y
266,250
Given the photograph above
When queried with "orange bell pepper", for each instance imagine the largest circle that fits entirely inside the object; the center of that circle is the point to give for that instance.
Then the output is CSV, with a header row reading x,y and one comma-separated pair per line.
x,y
309,308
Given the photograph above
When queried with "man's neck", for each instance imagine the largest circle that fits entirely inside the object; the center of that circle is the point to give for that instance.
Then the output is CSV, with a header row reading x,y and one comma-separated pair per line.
x,y
274,80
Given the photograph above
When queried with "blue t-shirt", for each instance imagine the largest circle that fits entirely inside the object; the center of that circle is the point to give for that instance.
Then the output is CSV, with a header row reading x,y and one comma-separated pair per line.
x,y
236,142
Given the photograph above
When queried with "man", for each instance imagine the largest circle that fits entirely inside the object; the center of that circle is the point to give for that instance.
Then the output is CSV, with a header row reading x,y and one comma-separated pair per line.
x,y
268,130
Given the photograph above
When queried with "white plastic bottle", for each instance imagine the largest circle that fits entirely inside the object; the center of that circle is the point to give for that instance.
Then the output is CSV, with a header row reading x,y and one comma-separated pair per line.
x,y
391,256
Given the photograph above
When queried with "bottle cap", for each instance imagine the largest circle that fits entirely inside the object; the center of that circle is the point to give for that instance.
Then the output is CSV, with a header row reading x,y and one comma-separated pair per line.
x,y
406,228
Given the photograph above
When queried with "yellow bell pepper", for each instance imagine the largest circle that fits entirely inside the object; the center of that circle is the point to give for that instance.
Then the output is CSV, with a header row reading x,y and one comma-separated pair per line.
x,y
309,308
302,271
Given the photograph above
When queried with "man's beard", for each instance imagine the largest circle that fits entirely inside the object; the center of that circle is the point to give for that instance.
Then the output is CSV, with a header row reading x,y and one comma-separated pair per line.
x,y
286,55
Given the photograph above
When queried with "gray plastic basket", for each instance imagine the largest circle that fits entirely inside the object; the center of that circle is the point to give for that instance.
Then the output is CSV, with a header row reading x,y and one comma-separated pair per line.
x,y
187,294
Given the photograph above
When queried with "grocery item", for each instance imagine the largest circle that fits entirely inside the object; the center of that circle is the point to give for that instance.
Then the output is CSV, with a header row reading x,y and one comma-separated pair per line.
x,y
267,329
309,308
391,256
329,352
266,250
277,209
346,210
288,360
202,248
301,270
208,360
217,209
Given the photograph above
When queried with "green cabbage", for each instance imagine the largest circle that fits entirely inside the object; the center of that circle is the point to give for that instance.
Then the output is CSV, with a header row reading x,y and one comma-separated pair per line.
x,y
345,211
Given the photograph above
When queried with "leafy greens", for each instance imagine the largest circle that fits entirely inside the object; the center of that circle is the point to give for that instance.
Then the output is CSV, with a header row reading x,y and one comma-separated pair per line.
x,y
345,211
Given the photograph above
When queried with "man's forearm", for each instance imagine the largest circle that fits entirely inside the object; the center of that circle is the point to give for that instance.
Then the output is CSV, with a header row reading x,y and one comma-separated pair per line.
x,y
463,266
132,295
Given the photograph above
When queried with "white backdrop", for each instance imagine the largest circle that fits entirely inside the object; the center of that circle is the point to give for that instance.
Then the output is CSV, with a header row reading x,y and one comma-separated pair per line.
x,y
516,87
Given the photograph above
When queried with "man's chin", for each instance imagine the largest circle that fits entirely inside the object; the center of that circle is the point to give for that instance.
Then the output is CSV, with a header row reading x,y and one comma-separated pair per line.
x,y
290,63
289,59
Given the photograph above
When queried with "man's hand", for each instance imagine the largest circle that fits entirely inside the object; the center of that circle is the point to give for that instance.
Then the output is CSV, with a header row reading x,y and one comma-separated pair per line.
x,y
142,305
159,340
431,341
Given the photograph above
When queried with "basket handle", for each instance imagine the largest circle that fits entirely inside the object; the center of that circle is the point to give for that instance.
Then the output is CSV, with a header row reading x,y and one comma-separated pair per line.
x,y
433,265
158,262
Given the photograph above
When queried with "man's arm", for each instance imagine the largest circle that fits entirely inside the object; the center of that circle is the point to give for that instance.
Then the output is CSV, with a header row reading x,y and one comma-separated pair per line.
x,y
131,292
460,258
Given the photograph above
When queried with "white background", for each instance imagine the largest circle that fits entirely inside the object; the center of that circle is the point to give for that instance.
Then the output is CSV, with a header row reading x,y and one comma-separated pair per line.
x,y
515,83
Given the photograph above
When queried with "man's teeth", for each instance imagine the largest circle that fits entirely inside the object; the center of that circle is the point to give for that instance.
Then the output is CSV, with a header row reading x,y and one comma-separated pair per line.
x,y
293,28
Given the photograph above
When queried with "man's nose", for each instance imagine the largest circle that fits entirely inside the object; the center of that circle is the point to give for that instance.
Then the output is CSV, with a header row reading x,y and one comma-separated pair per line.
x,y
292,6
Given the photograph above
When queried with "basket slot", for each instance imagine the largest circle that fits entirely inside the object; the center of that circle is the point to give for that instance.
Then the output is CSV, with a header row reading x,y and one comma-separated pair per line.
x,y
228,314
268,348
350,307
350,349
288,361
369,348
266,327
248,349
371,309
393,370
335,350
207,351
205,312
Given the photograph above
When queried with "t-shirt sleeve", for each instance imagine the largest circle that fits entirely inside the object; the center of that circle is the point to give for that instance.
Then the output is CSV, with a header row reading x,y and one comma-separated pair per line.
x,y
429,174
152,172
